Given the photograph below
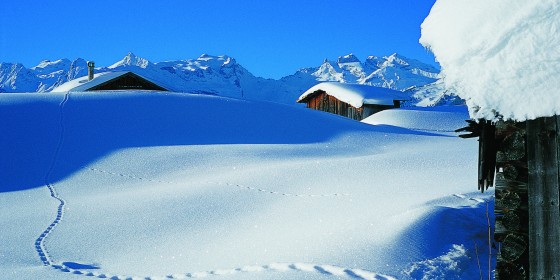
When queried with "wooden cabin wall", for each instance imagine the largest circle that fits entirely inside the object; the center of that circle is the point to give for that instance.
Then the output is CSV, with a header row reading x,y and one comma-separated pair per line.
x,y
543,139
371,109
128,81
528,199
324,102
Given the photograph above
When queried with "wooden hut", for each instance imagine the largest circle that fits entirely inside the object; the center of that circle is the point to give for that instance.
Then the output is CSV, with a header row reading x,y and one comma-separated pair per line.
x,y
121,80
351,100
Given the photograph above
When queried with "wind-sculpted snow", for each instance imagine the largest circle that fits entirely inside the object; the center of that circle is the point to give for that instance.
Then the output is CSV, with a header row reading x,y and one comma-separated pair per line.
x,y
440,119
84,269
151,119
155,185
221,183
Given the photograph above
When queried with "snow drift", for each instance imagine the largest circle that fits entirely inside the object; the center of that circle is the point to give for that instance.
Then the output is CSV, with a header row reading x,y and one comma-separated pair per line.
x,y
439,119
501,56
159,185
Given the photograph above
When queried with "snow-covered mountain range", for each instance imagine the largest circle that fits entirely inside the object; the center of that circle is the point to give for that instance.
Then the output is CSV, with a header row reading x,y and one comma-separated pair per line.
x,y
222,75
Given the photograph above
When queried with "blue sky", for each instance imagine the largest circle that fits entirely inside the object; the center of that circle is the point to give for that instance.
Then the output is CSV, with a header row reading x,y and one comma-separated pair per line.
x,y
270,38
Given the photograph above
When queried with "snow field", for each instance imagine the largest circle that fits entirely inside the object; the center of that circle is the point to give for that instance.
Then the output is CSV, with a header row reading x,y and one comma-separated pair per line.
x,y
439,119
155,186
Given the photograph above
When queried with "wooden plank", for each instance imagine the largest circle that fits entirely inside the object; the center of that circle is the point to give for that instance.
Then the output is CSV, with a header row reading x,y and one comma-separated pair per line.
x,y
543,194
511,204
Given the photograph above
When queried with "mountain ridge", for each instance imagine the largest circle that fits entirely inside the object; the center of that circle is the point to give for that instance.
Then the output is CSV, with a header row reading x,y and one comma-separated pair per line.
x,y
222,75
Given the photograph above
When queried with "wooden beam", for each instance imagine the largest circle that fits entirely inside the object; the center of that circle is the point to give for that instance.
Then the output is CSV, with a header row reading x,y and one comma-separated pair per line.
x,y
543,194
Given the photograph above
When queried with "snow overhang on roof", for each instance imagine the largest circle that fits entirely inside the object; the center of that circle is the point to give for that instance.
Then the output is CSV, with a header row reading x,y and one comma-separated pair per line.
x,y
502,57
356,95
84,84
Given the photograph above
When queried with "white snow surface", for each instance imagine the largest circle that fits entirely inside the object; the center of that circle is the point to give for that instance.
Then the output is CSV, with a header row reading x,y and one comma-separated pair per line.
x,y
83,83
356,94
501,56
161,185
439,119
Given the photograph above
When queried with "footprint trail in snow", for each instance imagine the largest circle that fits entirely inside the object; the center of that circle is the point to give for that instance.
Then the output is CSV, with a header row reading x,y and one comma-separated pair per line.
x,y
220,183
47,259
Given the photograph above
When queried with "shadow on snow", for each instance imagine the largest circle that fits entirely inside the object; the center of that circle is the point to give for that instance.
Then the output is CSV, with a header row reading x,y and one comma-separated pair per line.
x,y
96,124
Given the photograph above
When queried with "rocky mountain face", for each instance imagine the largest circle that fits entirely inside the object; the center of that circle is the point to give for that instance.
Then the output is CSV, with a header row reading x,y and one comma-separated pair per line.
x,y
394,71
15,77
222,75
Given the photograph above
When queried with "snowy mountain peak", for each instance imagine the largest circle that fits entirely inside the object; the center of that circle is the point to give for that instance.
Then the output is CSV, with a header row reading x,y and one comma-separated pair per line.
x,y
326,72
222,75
42,64
351,64
15,77
206,61
228,60
396,59
204,56
373,63
207,57
45,65
349,58
131,60
394,72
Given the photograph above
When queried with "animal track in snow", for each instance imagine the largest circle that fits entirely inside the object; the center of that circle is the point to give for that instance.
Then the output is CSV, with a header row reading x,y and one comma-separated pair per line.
x,y
40,241
130,176
279,267
221,183
83,270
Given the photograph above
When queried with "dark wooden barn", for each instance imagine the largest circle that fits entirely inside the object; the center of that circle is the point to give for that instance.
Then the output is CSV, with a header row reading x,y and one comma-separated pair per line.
x,y
127,81
123,80
350,100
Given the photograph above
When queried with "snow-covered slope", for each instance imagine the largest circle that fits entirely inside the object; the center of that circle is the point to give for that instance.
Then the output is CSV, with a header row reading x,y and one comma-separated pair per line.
x,y
440,119
174,186
55,73
398,72
42,78
15,77
434,94
222,75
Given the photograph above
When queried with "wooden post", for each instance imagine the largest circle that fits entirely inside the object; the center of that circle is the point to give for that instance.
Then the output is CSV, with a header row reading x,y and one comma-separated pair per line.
x,y
543,195
511,206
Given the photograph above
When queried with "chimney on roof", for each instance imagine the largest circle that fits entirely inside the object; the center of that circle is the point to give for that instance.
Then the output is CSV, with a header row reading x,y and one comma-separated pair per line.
x,y
90,66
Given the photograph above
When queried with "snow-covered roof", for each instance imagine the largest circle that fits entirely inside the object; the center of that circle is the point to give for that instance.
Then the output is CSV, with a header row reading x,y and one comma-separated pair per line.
x,y
502,57
83,84
356,95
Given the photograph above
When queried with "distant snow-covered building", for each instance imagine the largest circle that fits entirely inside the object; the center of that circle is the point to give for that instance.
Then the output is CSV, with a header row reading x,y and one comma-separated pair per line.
x,y
351,100
120,80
